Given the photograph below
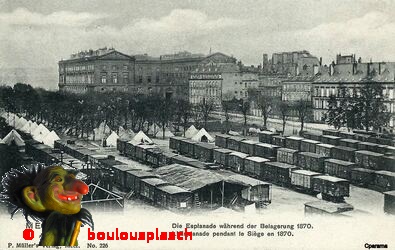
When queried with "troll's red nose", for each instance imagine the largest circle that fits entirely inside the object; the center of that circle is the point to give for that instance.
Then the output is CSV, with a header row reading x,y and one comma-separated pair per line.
x,y
80,187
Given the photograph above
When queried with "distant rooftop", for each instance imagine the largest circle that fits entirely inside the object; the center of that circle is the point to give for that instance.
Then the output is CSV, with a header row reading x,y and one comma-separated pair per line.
x,y
90,53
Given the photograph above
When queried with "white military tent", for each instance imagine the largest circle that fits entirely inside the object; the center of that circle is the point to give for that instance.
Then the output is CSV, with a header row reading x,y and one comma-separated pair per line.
x,y
102,131
27,127
125,134
13,136
202,136
20,123
50,138
140,137
191,131
111,140
33,127
40,132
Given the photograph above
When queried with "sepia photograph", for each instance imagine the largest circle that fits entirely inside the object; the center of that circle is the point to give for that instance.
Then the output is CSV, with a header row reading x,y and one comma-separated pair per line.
x,y
210,124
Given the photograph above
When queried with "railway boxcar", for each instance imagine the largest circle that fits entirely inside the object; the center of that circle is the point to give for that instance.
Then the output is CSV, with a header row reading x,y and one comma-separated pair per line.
x,y
389,202
347,135
175,143
384,181
344,153
141,151
311,135
121,146
362,137
330,139
253,166
303,180
324,149
130,150
368,146
362,177
389,163
293,142
233,142
278,140
153,156
149,186
308,145
368,159
287,155
221,156
278,172
333,132
339,168
311,161
221,140
184,147
166,158
173,198
204,151
181,159
236,161
389,150
133,180
120,172
247,146
266,150
331,188
266,136
385,141
349,143
201,165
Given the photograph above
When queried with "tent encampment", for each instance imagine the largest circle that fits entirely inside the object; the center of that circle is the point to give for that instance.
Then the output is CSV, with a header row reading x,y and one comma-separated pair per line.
x,y
191,131
13,136
141,138
20,123
40,132
33,127
111,140
27,127
203,136
50,138
102,131
125,134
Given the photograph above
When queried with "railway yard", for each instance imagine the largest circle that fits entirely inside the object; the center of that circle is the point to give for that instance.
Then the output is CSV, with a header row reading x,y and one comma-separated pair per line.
x,y
331,173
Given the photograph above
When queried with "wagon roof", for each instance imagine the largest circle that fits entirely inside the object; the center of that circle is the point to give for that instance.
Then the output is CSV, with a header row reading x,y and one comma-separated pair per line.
x,y
239,154
223,135
250,142
280,164
206,145
184,158
349,140
387,173
295,138
311,154
146,146
368,143
311,141
391,193
246,180
344,148
366,170
279,136
256,159
188,177
171,189
267,145
330,178
305,172
325,145
154,181
366,152
329,207
340,162
331,136
123,167
223,150
288,150
267,132
177,138
140,173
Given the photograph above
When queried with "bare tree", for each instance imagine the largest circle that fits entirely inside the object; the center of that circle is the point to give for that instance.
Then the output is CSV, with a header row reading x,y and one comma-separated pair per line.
x,y
284,112
226,107
303,109
206,107
244,109
265,104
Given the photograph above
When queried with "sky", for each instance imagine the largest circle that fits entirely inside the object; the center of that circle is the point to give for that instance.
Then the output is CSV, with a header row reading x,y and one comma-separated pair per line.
x,y
37,34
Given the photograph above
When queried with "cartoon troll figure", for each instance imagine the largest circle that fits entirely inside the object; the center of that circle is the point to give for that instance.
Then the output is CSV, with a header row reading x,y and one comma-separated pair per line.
x,y
51,195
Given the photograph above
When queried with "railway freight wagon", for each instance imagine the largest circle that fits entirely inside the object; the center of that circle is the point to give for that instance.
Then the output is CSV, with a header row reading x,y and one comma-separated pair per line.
x,y
312,136
384,181
311,161
347,135
266,136
339,168
287,155
221,140
247,146
331,132
344,153
266,150
121,146
368,146
236,161
324,149
330,139
332,188
278,172
293,142
303,180
175,143
221,156
120,172
133,180
204,151
308,145
166,159
389,202
148,187
141,152
389,163
173,198
367,159
362,177
351,143
233,142
130,150
278,140
153,156
254,166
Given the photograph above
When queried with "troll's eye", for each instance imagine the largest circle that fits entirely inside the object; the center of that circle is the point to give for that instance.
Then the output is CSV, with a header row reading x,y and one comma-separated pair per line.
x,y
58,179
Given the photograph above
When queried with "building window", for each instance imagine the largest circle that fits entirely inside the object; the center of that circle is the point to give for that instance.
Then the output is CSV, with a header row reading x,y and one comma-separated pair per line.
x,y
125,67
114,67
125,77
157,78
114,78
149,79
104,67
104,78
140,79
